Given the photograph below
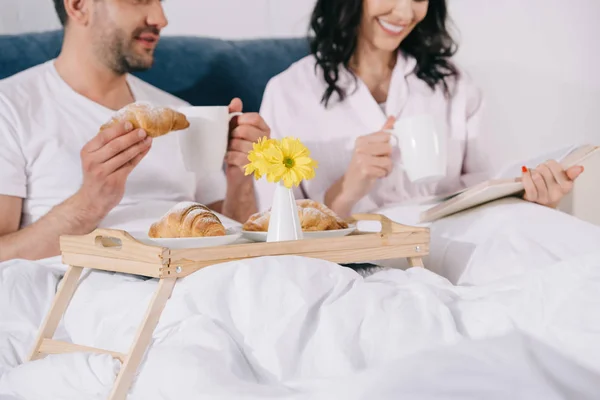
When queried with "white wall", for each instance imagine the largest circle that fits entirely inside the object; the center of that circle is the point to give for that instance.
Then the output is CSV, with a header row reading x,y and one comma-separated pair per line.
x,y
233,19
17,16
536,61
238,18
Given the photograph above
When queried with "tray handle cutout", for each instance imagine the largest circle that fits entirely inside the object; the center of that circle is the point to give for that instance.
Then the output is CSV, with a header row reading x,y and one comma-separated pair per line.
x,y
112,240
387,225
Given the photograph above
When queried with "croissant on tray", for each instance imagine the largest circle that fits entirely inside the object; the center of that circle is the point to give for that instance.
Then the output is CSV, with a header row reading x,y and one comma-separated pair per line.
x,y
313,216
186,220
155,120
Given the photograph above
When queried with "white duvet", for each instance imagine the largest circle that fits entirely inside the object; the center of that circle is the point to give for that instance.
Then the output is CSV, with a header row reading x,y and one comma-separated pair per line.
x,y
296,328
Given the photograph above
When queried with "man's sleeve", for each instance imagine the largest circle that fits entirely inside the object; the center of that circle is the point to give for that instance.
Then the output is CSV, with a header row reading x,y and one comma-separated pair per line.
x,y
13,178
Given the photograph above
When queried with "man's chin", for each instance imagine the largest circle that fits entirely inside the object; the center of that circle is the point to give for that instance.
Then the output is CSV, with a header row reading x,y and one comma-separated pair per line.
x,y
141,64
140,67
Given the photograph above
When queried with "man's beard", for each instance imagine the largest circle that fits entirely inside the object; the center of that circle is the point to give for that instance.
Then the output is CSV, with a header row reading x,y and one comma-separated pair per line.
x,y
116,50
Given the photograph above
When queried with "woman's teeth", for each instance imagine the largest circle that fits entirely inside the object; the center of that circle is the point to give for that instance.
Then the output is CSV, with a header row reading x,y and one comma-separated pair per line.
x,y
390,27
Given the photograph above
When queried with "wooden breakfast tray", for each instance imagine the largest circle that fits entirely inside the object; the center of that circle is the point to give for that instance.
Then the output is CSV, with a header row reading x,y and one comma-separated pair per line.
x,y
111,250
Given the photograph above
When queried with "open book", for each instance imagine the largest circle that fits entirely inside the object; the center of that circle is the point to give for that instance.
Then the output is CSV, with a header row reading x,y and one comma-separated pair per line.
x,y
502,186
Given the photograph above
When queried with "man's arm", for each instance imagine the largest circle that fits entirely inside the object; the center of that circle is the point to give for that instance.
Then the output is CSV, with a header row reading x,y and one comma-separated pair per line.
x,y
107,161
10,214
240,201
218,206
40,240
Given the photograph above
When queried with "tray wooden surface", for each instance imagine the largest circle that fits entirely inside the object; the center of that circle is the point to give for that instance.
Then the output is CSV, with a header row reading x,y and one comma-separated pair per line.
x,y
102,248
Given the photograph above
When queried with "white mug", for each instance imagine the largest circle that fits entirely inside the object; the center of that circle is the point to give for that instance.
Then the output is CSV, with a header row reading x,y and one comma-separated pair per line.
x,y
423,148
204,143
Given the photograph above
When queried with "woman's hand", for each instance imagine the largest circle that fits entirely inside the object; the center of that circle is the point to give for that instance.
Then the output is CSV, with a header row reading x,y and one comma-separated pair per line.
x,y
549,183
371,161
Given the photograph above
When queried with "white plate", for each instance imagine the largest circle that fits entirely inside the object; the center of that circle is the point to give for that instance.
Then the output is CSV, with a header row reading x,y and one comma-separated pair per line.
x,y
262,236
231,235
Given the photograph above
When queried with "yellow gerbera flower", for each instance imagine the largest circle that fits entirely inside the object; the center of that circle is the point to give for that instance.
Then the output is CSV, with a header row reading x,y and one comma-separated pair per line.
x,y
289,162
258,164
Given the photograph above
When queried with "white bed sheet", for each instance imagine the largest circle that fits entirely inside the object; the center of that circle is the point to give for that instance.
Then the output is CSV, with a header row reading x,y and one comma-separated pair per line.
x,y
290,327
522,324
497,240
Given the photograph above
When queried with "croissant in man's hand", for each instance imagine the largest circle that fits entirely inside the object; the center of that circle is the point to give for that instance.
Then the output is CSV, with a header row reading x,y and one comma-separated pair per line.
x,y
156,121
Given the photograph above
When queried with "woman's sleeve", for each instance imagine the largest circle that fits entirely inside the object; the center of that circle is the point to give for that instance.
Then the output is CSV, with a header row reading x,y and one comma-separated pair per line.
x,y
273,110
476,162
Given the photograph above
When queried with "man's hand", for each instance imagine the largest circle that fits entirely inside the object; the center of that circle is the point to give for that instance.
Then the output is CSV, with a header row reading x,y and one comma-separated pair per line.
x,y
244,131
107,160
240,200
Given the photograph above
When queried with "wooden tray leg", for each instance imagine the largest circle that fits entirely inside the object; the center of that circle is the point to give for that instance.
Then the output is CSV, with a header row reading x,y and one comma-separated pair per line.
x,y
416,262
142,339
63,296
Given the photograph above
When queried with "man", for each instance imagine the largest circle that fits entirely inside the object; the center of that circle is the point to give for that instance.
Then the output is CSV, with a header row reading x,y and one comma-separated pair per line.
x,y
59,176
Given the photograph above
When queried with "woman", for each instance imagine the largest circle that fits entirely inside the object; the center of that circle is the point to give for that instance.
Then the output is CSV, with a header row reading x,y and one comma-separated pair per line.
x,y
372,62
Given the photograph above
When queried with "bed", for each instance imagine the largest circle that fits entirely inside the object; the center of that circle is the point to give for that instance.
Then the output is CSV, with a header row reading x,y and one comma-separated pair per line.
x,y
506,309
501,239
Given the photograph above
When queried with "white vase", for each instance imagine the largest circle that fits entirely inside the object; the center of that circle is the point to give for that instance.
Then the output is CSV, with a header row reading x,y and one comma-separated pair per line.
x,y
284,224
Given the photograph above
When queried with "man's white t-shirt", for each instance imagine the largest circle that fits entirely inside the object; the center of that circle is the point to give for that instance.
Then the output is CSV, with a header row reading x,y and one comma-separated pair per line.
x,y
43,126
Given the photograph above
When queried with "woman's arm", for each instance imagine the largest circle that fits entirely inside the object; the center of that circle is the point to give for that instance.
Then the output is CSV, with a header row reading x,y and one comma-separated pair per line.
x,y
477,163
272,112
371,159
370,162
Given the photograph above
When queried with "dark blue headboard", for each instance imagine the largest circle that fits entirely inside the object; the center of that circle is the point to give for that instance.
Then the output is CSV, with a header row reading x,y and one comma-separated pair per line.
x,y
202,71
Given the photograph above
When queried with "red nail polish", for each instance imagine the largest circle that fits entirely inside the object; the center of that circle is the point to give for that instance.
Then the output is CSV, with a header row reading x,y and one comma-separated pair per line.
x,y
524,169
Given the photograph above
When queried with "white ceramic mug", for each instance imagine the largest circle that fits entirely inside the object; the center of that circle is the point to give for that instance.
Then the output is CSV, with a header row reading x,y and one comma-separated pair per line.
x,y
423,148
204,143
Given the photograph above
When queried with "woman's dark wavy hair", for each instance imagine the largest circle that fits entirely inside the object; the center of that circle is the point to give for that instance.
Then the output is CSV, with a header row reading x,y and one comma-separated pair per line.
x,y
335,28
